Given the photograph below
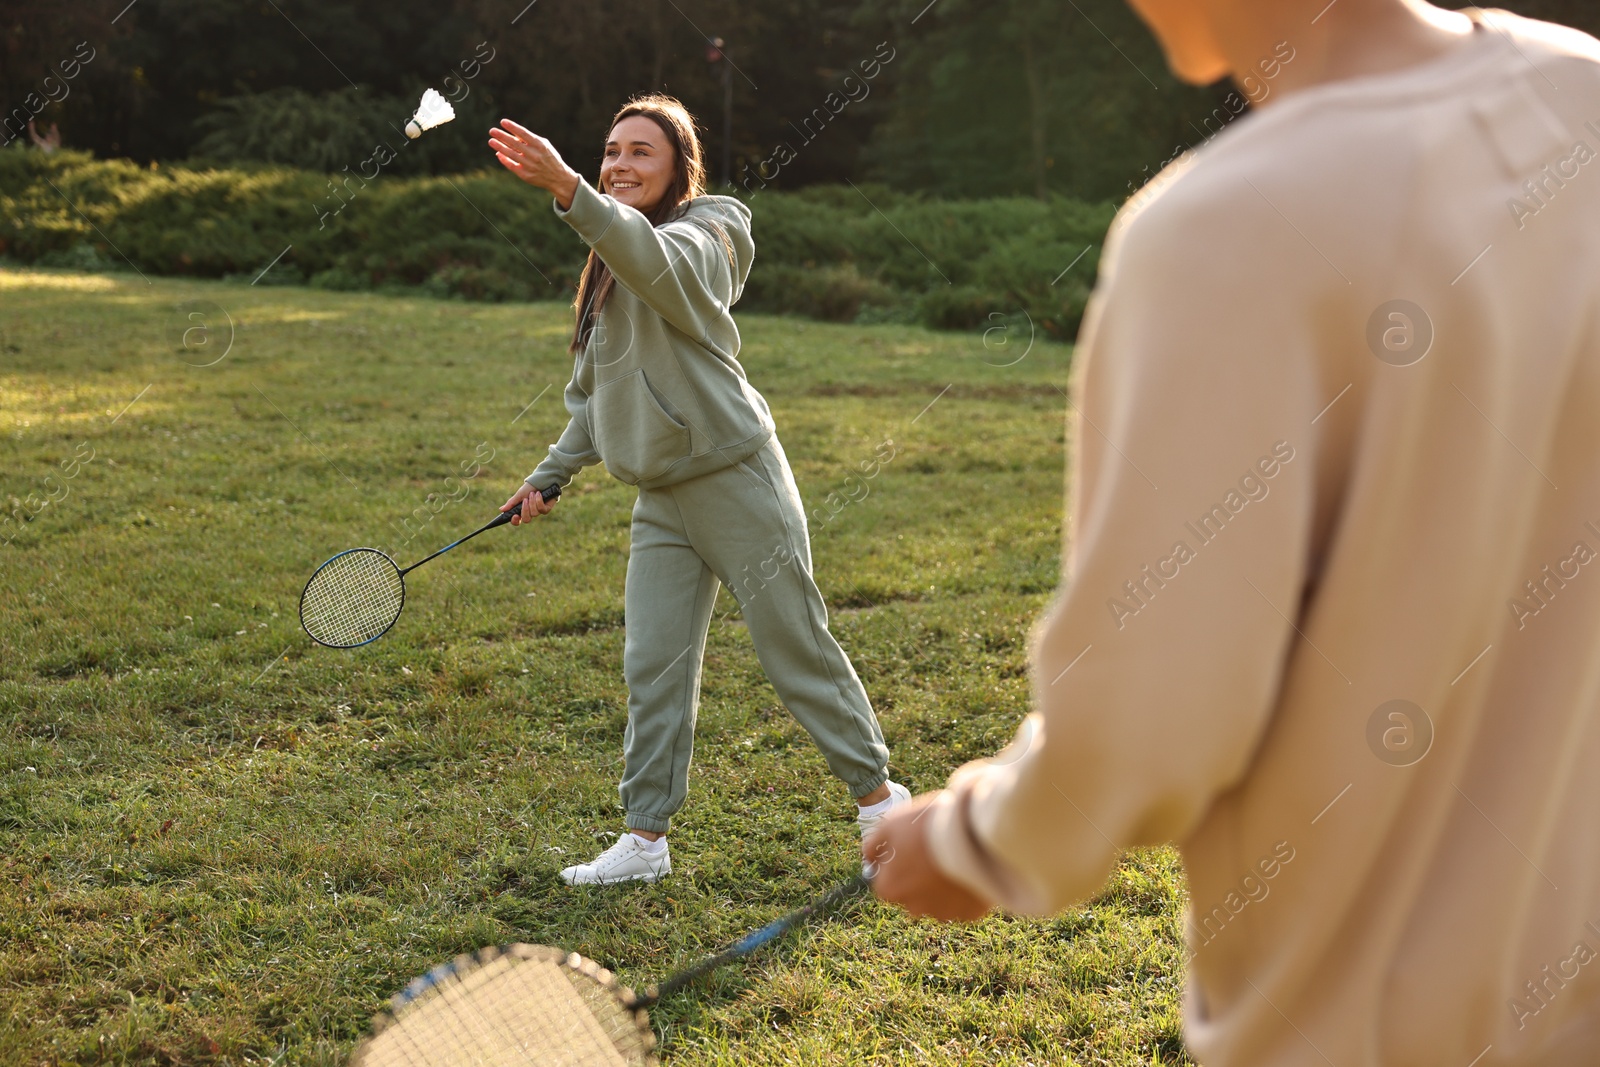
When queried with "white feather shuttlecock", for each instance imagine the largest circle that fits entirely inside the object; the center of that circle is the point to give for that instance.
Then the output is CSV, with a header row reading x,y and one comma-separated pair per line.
x,y
434,110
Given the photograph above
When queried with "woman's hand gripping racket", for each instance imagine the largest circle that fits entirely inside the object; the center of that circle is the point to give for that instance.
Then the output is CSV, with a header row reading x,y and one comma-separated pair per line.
x,y
357,595
536,1006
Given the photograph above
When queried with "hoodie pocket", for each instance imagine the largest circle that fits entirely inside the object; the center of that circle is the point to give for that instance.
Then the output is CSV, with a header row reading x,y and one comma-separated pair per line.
x,y
634,435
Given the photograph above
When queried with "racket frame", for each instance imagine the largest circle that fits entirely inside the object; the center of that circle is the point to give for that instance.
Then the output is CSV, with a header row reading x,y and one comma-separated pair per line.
x,y
420,987
547,494
400,576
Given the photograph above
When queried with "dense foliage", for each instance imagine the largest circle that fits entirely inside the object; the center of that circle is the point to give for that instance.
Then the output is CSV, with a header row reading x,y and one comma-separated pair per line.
x,y
865,254
1007,97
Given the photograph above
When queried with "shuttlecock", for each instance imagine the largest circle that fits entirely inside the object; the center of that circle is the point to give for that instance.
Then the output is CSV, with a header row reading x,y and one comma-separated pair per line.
x,y
434,110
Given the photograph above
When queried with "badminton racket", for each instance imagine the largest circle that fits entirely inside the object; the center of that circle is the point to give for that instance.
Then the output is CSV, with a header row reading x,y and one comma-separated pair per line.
x,y
537,1006
355,597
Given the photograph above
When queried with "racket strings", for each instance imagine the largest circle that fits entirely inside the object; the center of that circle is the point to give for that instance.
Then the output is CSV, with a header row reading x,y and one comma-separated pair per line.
x,y
451,1032
524,1005
353,598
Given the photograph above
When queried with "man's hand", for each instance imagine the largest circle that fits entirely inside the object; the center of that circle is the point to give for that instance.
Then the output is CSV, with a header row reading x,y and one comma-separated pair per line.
x,y
906,874
534,160
535,505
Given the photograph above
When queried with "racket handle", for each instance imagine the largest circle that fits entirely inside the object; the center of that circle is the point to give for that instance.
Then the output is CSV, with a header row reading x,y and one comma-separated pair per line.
x,y
747,944
548,494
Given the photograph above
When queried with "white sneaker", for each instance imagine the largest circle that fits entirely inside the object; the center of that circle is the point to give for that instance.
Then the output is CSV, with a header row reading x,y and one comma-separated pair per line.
x,y
898,795
625,861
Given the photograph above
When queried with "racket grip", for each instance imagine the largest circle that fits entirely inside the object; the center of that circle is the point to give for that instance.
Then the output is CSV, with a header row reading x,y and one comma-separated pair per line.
x,y
548,494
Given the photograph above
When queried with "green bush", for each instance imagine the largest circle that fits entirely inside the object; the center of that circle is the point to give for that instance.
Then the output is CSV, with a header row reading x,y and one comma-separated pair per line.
x,y
841,253
833,292
291,126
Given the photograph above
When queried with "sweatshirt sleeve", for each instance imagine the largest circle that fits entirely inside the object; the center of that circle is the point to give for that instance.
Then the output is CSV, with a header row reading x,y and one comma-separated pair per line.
x,y
680,269
1157,669
575,448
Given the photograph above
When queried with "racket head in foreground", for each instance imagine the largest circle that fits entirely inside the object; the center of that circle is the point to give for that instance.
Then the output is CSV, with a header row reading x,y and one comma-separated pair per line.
x,y
522,1005
352,599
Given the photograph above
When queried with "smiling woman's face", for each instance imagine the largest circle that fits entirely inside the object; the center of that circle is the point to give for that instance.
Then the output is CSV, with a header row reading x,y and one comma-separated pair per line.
x,y
637,168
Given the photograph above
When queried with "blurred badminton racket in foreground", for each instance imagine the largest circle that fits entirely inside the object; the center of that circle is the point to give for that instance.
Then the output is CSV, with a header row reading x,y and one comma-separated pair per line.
x,y
536,1006
357,595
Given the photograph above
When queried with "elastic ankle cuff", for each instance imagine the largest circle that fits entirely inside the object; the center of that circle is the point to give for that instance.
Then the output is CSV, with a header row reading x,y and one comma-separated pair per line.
x,y
635,821
862,788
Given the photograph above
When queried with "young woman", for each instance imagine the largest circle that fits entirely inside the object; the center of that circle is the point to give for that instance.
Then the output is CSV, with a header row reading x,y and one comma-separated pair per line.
x,y
658,395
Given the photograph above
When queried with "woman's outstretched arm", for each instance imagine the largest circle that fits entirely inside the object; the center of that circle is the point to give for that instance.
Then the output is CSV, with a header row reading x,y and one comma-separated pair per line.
x,y
683,270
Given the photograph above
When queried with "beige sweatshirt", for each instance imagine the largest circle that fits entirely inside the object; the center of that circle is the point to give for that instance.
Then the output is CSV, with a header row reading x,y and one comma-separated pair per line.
x,y
1332,611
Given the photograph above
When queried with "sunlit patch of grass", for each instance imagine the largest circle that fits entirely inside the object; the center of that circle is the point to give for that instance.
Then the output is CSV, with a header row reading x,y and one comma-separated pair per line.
x,y
61,281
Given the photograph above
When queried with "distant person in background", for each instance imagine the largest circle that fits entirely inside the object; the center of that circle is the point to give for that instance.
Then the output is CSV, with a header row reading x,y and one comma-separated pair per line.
x,y
1331,617
49,142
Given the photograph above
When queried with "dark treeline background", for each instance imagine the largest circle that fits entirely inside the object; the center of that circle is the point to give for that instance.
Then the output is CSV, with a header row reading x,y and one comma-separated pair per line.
x,y
980,97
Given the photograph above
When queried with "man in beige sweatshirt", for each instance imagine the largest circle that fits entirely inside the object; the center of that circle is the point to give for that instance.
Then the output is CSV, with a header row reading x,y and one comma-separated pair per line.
x,y
1331,618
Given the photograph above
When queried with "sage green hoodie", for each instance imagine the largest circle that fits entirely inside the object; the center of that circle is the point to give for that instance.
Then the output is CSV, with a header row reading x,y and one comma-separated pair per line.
x,y
657,393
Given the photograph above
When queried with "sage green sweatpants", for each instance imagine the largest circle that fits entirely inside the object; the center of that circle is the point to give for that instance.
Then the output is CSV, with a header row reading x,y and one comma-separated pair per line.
x,y
744,527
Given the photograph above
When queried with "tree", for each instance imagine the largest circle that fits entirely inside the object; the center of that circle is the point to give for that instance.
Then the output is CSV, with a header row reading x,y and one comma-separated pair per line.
x,y
1029,96
1033,97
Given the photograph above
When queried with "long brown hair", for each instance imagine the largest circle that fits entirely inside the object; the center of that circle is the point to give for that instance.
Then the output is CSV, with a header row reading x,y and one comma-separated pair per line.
x,y
688,182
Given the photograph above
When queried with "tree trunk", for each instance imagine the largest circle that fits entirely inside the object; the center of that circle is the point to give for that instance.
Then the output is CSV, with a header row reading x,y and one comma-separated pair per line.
x,y
1036,116
659,32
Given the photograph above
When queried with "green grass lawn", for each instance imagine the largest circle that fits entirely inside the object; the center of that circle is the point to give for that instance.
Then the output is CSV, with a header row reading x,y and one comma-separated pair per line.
x,y
224,844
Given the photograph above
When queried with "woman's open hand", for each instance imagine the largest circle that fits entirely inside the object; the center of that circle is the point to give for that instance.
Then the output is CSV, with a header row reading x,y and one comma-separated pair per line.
x,y
534,160
535,505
